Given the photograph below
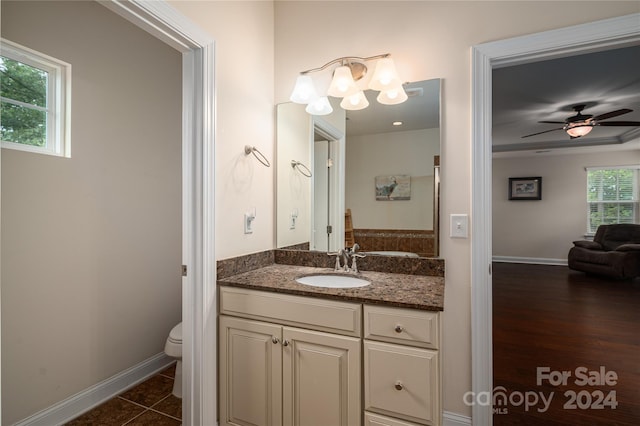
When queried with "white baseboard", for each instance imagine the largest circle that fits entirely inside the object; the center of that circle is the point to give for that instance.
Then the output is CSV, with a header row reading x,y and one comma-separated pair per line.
x,y
530,260
453,419
95,395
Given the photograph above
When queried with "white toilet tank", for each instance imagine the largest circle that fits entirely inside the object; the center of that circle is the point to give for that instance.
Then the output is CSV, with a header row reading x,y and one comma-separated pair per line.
x,y
173,346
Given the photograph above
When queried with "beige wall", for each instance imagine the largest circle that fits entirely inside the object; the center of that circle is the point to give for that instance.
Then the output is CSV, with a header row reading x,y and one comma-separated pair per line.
x,y
91,245
294,131
428,40
245,115
545,229
383,154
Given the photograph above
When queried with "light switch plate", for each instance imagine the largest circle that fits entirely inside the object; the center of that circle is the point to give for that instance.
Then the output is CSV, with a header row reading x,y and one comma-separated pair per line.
x,y
459,226
248,223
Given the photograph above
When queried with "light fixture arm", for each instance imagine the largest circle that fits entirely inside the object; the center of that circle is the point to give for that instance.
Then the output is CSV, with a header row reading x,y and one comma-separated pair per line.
x,y
342,60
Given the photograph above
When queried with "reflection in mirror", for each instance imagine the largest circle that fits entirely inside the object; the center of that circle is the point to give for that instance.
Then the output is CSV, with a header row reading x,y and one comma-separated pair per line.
x,y
310,210
327,187
386,175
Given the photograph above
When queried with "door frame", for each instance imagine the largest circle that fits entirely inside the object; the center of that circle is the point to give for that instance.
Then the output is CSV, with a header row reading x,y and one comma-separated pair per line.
x,y
595,36
337,187
199,310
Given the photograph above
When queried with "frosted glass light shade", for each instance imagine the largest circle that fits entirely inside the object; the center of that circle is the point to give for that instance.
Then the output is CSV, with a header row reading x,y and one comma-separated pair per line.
x,y
304,91
385,75
342,84
320,106
392,96
355,102
581,130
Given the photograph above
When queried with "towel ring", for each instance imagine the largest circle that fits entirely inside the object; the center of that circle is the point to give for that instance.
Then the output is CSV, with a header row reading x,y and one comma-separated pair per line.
x,y
304,170
248,149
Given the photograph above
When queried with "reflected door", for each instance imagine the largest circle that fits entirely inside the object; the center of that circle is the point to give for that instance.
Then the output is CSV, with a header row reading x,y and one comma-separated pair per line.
x,y
325,180
321,226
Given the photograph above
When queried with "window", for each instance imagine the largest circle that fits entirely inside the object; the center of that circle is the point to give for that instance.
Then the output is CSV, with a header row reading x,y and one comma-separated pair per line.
x,y
612,196
34,101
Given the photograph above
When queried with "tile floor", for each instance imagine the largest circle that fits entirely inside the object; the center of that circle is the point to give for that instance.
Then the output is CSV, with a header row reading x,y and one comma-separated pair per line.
x,y
146,404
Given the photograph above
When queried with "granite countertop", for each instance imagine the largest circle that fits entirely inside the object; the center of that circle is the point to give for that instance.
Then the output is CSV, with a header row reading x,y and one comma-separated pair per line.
x,y
400,290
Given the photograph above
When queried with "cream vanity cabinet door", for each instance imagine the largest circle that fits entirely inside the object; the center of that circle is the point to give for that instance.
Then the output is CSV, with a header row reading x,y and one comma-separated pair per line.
x,y
289,360
250,372
321,379
401,367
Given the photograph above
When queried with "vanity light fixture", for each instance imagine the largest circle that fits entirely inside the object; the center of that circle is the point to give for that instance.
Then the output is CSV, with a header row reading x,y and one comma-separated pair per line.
x,y
348,82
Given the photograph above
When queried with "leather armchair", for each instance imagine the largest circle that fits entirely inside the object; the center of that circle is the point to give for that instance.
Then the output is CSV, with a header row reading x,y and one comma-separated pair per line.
x,y
614,252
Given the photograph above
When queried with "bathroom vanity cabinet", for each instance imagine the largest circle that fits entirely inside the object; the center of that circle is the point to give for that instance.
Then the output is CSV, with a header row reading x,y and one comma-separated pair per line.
x,y
294,360
401,366
274,374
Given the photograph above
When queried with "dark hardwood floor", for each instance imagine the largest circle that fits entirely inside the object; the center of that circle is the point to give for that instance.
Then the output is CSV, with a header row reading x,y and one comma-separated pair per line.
x,y
566,321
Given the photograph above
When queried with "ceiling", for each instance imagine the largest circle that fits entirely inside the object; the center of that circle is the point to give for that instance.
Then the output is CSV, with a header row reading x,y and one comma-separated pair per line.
x,y
420,111
525,94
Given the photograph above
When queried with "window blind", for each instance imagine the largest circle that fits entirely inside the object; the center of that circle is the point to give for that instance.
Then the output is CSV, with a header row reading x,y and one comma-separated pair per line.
x,y
612,196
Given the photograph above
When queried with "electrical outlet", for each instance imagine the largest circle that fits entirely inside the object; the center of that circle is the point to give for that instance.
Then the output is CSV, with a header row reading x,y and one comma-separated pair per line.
x,y
292,219
459,226
248,221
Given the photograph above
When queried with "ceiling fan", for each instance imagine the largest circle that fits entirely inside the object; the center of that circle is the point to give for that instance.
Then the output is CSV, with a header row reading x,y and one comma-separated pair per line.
x,y
581,124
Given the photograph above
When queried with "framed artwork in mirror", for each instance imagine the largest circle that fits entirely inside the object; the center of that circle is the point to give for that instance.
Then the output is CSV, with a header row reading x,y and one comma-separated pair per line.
x,y
390,188
525,188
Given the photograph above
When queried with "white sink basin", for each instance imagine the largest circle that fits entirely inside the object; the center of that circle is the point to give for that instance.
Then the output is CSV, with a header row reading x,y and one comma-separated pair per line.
x,y
333,281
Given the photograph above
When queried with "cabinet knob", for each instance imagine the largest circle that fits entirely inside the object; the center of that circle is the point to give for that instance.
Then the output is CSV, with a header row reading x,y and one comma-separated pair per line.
x,y
275,340
285,343
399,328
399,385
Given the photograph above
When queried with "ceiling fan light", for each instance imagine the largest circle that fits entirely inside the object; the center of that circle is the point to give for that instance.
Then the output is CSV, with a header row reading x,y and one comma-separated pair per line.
x,y
355,102
342,84
304,90
580,130
320,106
385,75
393,96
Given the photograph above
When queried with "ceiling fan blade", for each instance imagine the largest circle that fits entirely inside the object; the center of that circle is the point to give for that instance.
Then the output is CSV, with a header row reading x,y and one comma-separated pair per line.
x,y
612,114
539,133
619,123
552,122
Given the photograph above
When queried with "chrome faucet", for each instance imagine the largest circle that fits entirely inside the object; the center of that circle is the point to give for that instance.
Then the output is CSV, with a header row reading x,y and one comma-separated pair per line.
x,y
340,254
344,255
355,256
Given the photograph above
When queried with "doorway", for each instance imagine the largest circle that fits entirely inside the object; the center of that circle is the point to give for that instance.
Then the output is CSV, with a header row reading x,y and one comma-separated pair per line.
x,y
327,189
324,178
198,254
606,34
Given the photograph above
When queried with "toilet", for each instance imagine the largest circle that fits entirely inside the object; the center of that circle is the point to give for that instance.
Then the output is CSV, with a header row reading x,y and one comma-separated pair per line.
x,y
173,348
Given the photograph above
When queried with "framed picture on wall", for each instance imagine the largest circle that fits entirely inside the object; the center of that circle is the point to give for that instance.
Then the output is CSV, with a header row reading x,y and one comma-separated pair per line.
x,y
525,188
391,188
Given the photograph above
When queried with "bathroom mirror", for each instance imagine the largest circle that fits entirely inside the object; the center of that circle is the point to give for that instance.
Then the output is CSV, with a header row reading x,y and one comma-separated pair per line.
x,y
386,176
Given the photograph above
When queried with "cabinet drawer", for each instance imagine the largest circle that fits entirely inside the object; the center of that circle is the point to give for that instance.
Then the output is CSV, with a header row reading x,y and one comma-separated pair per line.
x,y
401,382
371,419
404,326
308,312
